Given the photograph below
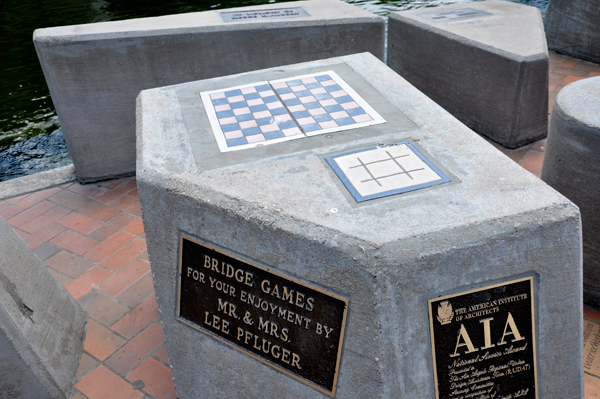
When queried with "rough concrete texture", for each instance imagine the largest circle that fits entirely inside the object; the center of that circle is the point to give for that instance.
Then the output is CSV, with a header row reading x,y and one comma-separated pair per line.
x,y
388,257
42,328
490,72
573,28
572,167
95,71
37,181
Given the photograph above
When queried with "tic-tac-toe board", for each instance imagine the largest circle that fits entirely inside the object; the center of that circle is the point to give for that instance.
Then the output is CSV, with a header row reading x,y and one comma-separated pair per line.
x,y
386,170
271,112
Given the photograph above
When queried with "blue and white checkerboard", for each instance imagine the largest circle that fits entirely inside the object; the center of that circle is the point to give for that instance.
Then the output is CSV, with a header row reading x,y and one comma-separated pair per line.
x,y
271,112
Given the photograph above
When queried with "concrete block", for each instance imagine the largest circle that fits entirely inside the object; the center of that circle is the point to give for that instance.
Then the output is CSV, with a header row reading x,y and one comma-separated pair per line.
x,y
486,63
572,167
573,28
42,328
95,71
280,210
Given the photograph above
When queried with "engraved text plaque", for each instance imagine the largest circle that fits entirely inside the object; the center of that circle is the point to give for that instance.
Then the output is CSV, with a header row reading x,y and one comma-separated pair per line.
x,y
483,342
283,322
254,15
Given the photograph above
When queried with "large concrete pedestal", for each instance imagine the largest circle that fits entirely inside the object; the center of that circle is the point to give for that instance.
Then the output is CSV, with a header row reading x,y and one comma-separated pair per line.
x,y
42,328
573,28
346,239
485,62
95,71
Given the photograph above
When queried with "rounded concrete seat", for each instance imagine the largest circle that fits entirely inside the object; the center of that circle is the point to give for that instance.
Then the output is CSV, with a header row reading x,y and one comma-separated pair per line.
x,y
572,166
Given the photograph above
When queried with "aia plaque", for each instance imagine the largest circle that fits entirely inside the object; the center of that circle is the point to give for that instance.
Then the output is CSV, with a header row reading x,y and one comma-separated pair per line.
x,y
483,343
281,321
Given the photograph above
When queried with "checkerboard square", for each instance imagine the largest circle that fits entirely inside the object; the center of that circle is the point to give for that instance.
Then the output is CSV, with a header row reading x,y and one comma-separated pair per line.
x,y
241,111
255,138
270,99
261,114
317,111
239,104
312,105
233,93
251,131
235,99
220,101
223,107
245,117
258,108
323,78
273,135
264,121
278,111
234,135
262,88
323,118
307,100
356,111
345,121
248,124
295,82
323,96
225,114
311,128
333,108
236,142
293,101
230,127
227,121
248,90
256,101
269,128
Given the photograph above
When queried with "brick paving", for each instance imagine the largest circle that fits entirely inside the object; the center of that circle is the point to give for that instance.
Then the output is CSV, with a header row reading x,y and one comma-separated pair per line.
x,y
92,238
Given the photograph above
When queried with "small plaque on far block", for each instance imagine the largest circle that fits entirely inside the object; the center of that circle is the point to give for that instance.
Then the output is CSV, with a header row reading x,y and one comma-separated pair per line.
x,y
385,170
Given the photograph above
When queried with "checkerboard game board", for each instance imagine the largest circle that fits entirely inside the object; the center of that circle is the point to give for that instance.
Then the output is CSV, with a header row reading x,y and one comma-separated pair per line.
x,y
271,112
387,170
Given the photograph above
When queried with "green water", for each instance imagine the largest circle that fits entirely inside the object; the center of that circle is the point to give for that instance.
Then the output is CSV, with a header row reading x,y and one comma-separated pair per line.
x,y
30,137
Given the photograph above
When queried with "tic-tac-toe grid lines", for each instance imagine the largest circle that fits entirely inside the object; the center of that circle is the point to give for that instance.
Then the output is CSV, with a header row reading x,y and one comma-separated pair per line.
x,y
381,171
271,112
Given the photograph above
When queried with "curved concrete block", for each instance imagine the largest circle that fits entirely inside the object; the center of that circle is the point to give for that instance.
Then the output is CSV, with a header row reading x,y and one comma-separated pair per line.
x,y
42,328
572,166
573,28
95,71
486,63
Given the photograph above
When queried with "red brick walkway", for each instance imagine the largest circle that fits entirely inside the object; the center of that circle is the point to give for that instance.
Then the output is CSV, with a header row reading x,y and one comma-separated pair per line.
x,y
93,240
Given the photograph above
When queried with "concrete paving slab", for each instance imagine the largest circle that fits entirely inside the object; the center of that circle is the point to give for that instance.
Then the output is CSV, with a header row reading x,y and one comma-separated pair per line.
x,y
486,63
95,71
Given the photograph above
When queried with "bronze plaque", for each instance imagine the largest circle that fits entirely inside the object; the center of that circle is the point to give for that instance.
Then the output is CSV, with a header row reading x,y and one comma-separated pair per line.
x,y
483,343
283,322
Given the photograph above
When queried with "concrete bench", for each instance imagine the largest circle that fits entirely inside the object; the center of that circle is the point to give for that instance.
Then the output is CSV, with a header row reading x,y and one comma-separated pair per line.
x,y
95,71
486,63
42,328
573,28
572,166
